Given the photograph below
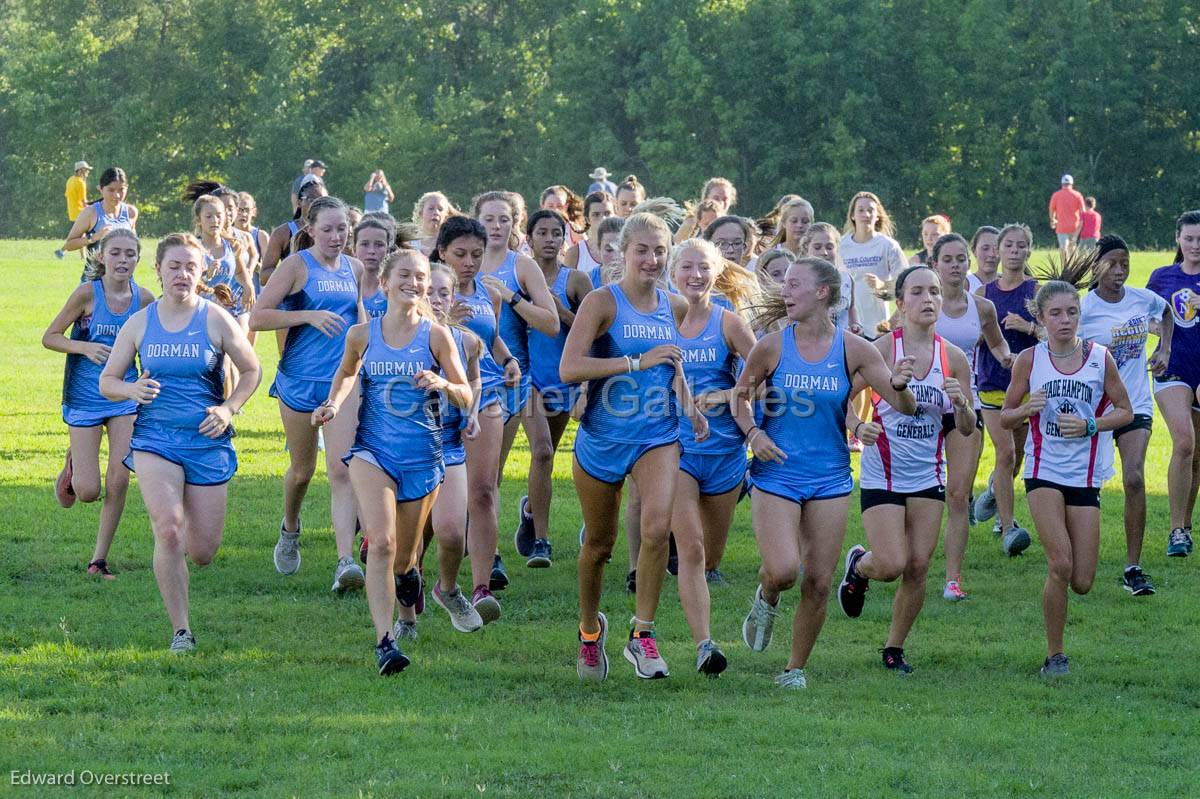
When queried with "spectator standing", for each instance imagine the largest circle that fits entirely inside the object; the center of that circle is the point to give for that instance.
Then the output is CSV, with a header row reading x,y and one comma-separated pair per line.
x,y
1066,209
377,193
600,182
76,194
311,167
1089,224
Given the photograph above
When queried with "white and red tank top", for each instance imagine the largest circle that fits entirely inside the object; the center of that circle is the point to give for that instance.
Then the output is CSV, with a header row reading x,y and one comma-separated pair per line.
x,y
1075,462
910,454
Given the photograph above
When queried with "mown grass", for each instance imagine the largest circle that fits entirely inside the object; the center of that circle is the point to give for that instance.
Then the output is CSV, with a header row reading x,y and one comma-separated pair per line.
x,y
281,698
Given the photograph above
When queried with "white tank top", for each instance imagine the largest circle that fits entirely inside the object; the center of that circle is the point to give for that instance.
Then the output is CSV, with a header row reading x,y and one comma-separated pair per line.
x,y
965,333
586,262
1075,462
909,455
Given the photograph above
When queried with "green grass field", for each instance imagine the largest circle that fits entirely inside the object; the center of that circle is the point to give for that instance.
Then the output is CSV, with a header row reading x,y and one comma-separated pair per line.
x,y
281,697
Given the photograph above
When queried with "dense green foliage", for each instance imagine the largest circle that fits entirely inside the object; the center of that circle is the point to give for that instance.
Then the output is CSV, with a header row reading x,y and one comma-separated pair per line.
x,y
972,108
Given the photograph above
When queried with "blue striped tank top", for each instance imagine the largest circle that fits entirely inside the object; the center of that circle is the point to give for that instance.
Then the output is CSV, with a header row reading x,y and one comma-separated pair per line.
x,y
190,372
308,354
709,365
482,323
545,352
81,378
397,419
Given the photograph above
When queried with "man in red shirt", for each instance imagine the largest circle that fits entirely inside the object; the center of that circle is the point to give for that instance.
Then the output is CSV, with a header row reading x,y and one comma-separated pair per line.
x,y
1089,225
1066,215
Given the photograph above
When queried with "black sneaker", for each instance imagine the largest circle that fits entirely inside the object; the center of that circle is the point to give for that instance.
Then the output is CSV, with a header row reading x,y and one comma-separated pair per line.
x,y
631,582
1056,666
390,659
715,577
1136,582
523,539
893,658
672,557
499,579
409,591
539,556
852,593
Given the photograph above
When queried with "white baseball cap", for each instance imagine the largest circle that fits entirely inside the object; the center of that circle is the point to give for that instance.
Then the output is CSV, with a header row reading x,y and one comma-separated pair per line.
x,y
82,165
599,173
1068,179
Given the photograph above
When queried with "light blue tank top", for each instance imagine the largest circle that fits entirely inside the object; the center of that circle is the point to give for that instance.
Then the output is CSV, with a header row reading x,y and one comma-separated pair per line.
x,y
119,220
545,352
482,323
223,274
308,354
376,304
513,329
709,365
190,372
396,419
638,407
81,379
453,418
804,410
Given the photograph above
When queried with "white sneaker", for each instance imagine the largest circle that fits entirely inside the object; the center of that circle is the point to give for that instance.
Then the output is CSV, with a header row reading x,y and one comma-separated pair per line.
x,y
985,504
183,641
405,630
642,652
760,622
463,616
953,592
792,678
287,551
347,575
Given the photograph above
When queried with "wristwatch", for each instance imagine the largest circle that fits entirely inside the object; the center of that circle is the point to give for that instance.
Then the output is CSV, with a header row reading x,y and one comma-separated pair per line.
x,y
516,298
635,363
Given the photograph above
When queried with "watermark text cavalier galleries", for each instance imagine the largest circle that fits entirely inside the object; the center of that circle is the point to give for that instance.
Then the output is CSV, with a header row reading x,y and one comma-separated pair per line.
x,y
74,777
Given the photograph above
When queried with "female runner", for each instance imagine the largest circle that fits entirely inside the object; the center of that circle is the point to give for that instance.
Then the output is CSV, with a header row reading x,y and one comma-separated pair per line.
x,y
95,312
460,246
1010,294
903,476
1063,389
552,398
630,194
713,341
1175,391
108,213
374,239
431,210
586,254
794,221
624,342
226,261
395,463
1118,317
182,442
932,228
968,322
719,191
315,297
986,251
800,475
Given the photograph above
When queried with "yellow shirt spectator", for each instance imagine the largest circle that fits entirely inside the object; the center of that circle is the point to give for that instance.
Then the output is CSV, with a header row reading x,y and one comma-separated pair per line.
x,y
76,194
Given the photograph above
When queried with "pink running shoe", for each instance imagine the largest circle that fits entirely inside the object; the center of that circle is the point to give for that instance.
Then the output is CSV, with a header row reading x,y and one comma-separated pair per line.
x,y
953,592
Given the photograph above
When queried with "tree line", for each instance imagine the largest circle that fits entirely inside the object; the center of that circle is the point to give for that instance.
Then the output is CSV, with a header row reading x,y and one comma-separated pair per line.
x,y
972,108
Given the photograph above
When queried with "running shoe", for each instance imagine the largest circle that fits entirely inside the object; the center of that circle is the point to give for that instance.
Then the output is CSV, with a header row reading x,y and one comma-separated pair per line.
x,y
984,506
709,659
99,568
855,444
1179,543
1056,666
485,604
499,579
996,529
791,678
287,551
1136,582
539,556
62,486
59,254
409,590
953,592
631,582
642,652
893,659
592,661
362,549
760,622
183,641
715,577
852,593
347,576
523,539
389,657
672,557
405,630
1016,540
463,617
